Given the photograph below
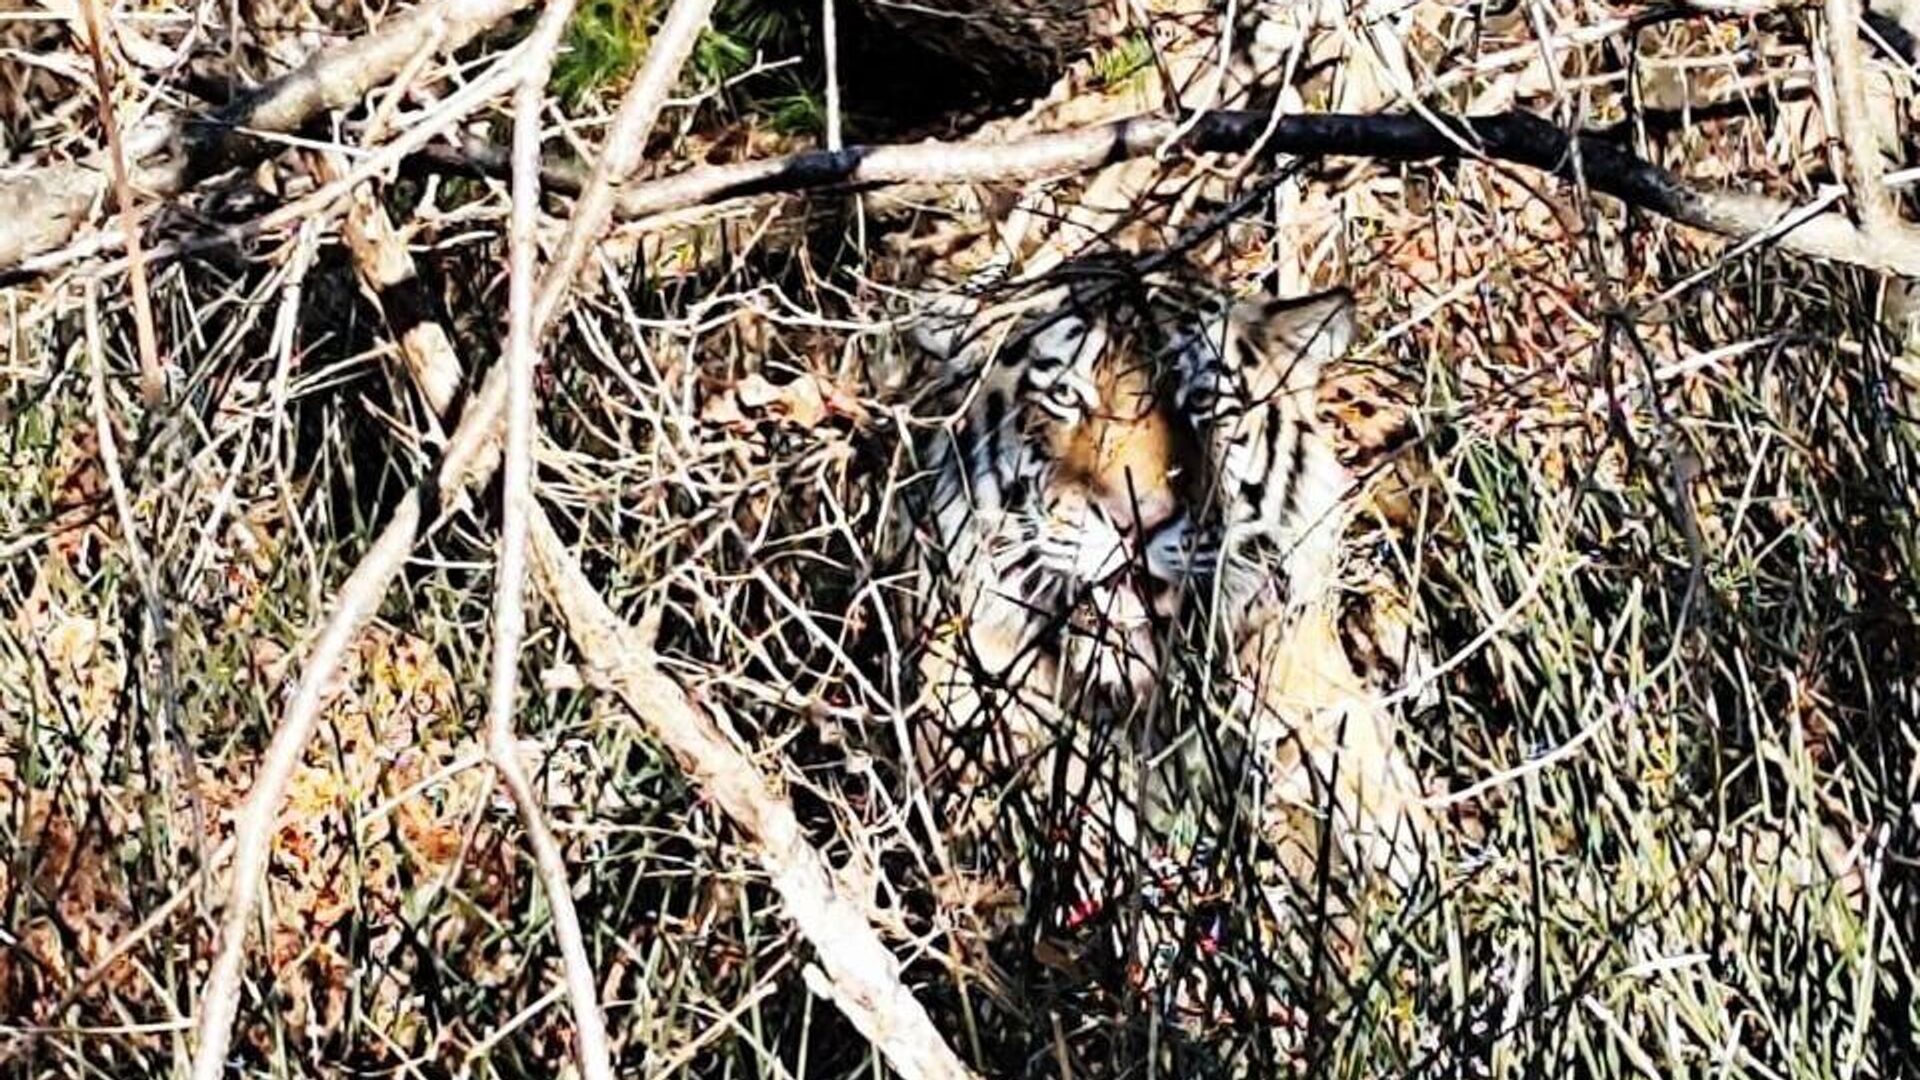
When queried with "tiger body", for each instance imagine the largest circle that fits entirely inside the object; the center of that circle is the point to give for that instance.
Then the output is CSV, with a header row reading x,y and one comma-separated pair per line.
x,y
1132,475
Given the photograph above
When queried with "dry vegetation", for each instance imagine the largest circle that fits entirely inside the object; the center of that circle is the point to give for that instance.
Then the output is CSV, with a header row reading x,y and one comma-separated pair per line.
x,y
1658,528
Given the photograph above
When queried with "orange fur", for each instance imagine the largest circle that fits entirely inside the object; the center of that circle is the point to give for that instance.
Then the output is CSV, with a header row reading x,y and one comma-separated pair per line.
x,y
1126,457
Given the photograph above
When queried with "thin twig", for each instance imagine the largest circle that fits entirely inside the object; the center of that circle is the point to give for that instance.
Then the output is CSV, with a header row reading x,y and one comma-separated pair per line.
x,y
1537,763
153,381
509,612
830,43
625,147
118,951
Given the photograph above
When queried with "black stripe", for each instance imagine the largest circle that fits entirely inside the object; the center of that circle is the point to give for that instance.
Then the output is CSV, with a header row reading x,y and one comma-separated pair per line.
x,y
961,448
1013,493
996,415
1295,469
1254,495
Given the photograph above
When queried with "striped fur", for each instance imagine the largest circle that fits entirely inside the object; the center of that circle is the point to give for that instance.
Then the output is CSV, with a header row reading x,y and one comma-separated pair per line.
x,y
1119,464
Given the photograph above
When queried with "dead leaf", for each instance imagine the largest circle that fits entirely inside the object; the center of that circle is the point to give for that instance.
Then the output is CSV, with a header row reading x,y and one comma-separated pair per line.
x,y
807,402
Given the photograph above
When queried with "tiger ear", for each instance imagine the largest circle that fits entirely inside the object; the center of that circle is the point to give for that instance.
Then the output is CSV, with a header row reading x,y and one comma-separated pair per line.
x,y
1294,338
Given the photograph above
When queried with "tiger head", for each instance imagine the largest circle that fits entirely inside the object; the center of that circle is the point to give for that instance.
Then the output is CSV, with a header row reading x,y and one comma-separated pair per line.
x,y
1105,442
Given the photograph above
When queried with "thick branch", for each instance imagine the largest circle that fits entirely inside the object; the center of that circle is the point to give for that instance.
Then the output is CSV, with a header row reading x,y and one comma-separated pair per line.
x,y
1516,137
1870,200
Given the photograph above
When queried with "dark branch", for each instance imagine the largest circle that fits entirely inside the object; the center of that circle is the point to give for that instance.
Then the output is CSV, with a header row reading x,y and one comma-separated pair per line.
x,y
1516,137
1520,138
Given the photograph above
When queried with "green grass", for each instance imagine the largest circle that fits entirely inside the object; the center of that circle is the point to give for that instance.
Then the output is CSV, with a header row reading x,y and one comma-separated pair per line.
x,y
1123,63
607,40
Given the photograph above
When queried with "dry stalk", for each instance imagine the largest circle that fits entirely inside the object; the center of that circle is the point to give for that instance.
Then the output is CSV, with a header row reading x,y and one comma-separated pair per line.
x,y
509,611
170,730
153,381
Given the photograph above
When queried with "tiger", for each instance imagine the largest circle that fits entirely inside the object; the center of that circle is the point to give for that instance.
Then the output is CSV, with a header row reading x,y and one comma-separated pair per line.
x,y
1128,472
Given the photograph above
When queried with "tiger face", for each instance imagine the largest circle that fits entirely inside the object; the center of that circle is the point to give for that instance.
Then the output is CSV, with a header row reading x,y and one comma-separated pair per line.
x,y
1107,453
1097,412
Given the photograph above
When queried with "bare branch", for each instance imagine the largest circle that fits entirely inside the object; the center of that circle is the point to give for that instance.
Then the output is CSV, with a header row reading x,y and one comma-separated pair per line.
x,y
509,611
1517,137
1872,201
469,452
253,837
625,146
153,381
393,282
860,974
497,79
358,599
469,460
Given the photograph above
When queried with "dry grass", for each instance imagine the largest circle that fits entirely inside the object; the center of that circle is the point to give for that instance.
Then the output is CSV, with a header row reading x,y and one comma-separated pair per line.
x,y
1661,536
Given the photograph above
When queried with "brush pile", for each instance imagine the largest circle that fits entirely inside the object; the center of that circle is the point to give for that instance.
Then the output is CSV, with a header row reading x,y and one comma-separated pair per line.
x,y
1654,526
